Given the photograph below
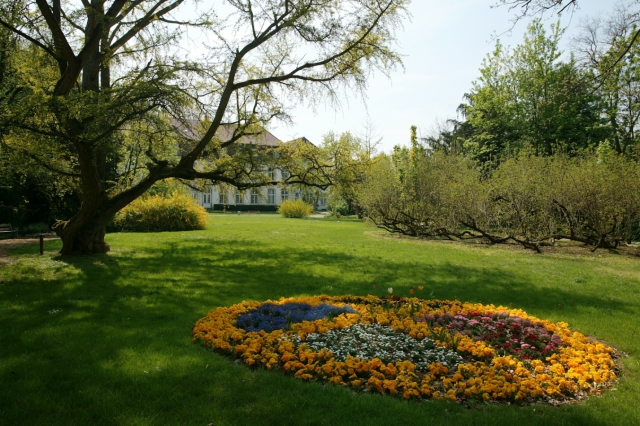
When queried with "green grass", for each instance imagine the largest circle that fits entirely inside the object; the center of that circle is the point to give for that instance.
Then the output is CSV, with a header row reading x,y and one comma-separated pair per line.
x,y
119,350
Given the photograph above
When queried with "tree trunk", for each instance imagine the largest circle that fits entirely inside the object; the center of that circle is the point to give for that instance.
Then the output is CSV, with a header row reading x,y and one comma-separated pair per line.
x,y
82,239
84,233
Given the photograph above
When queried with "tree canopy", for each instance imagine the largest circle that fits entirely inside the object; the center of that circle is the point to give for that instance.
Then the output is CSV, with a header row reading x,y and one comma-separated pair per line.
x,y
536,99
530,98
109,96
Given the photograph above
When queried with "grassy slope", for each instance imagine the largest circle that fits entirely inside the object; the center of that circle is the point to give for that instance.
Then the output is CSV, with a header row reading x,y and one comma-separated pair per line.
x,y
119,352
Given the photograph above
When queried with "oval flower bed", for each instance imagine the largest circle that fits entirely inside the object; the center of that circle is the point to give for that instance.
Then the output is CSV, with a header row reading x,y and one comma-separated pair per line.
x,y
414,348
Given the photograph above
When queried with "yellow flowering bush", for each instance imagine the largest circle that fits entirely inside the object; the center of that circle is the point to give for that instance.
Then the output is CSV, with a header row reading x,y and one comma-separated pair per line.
x,y
158,213
295,208
575,369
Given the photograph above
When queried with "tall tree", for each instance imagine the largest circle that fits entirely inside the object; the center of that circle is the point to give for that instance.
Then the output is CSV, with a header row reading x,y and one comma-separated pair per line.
x,y
526,8
114,84
607,50
529,98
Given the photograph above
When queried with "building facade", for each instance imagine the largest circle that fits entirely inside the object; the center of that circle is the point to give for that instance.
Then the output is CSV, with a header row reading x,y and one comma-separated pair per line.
x,y
265,198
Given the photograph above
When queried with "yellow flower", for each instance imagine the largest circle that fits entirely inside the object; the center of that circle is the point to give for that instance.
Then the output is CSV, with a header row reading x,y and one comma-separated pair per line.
x,y
579,365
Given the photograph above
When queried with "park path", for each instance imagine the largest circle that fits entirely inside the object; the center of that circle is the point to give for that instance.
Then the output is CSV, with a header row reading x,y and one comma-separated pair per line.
x,y
8,244
320,215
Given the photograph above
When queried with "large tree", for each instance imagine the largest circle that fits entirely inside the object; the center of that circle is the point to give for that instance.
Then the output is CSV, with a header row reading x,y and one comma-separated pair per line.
x,y
607,50
107,83
529,98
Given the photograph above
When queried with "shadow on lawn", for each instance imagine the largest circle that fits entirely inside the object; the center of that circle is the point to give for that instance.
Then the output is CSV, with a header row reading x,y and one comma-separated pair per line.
x,y
119,350
237,270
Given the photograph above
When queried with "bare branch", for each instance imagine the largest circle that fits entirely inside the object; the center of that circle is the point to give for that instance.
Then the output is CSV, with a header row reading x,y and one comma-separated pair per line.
x,y
142,23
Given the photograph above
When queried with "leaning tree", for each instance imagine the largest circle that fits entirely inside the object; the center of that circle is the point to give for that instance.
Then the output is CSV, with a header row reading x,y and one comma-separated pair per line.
x,y
116,95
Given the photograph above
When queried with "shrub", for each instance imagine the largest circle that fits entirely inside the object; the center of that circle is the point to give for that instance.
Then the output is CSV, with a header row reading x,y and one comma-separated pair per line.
x,y
529,200
297,208
35,228
156,213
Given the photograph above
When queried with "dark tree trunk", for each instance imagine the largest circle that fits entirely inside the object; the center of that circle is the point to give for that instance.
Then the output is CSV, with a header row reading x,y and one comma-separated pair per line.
x,y
84,233
86,239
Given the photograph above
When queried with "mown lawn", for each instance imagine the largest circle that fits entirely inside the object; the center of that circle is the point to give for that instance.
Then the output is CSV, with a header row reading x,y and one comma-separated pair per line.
x,y
106,340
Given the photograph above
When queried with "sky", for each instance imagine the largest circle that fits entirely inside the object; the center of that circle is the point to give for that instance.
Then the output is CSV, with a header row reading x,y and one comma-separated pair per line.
x,y
443,46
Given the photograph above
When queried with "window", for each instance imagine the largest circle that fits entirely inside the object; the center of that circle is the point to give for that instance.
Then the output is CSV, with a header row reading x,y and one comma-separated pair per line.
x,y
271,196
285,174
285,194
272,174
206,198
254,196
297,196
239,197
323,201
221,198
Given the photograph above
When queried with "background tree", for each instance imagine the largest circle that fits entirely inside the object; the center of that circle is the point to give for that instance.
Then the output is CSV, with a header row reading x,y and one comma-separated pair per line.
x,y
525,8
449,135
530,99
29,194
607,50
352,155
489,111
115,77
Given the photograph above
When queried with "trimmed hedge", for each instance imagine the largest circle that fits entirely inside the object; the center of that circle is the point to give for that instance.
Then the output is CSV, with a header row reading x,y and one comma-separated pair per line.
x,y
246,207
156,213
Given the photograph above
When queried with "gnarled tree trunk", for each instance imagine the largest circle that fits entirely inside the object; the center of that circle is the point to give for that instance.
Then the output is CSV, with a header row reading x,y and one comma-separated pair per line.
x,y
84,233
82,238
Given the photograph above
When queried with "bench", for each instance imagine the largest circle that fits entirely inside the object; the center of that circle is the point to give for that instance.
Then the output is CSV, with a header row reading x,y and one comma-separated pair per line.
x,y
7,232
253,211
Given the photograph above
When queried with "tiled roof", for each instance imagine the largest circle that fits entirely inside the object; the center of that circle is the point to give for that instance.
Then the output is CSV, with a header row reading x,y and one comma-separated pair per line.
x,y
225,133
303,140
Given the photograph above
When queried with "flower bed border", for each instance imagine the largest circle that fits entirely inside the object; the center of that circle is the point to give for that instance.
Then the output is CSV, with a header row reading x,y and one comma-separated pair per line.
x,y
580,368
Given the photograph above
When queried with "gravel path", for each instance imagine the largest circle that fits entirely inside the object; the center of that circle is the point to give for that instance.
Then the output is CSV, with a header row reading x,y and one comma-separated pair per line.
x,y
320,215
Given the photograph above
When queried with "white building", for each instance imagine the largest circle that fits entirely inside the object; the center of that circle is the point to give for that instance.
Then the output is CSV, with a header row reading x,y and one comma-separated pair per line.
x,y
266,198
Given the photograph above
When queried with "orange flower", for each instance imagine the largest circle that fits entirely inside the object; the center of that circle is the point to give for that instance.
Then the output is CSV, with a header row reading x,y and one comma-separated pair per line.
x,y
580,365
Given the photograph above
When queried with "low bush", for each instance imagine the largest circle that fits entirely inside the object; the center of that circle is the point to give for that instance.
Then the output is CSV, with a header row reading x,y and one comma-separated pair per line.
x,y
297,208
156,213
35,228
530,200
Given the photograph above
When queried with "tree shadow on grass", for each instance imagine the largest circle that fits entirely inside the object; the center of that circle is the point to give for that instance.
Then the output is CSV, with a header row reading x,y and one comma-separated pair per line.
x,y
110,343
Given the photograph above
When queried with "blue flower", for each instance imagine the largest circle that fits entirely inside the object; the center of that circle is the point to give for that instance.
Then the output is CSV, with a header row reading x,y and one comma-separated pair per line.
x,y
270,317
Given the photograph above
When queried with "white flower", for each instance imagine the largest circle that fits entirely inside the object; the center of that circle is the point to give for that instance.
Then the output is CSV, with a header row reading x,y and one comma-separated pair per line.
x,y
390,290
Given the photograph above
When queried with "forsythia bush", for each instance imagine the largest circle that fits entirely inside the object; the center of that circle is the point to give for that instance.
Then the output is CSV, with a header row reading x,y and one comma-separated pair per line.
x,y
176,212
297,208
